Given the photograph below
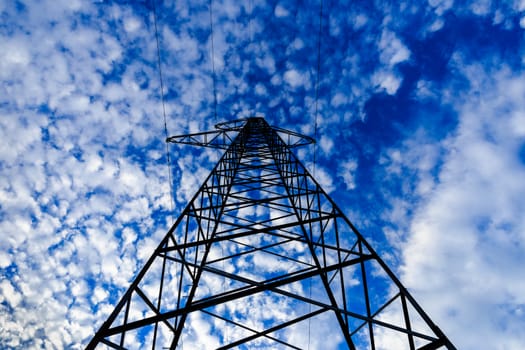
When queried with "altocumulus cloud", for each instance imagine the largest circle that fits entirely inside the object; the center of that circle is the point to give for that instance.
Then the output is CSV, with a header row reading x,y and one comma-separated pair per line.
x,y
420,120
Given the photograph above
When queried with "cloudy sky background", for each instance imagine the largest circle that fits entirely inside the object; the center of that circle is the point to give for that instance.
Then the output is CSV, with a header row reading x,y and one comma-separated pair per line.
x,y
421,140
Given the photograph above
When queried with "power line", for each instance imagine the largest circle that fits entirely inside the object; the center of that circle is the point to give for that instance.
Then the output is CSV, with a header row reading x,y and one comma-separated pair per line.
x,y
315,123
172,202
253,103
213,63
317,79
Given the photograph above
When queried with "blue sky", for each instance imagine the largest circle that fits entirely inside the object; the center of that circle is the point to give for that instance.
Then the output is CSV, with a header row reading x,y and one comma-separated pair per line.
x,y
421,141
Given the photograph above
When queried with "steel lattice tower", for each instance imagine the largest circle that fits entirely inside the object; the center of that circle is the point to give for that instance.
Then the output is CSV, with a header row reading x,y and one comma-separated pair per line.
x,y
262,257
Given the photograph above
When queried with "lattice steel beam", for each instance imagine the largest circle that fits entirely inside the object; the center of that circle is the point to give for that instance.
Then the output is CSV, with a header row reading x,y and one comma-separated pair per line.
x,y
262,232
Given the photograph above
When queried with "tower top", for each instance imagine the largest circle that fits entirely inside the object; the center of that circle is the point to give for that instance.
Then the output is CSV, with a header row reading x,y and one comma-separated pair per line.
x,y
225,132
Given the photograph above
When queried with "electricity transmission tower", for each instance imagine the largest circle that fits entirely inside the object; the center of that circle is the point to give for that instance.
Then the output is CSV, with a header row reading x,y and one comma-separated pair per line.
x,y
262,257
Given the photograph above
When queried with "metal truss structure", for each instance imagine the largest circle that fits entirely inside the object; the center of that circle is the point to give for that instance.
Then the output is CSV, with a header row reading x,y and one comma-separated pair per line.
x,y
262,257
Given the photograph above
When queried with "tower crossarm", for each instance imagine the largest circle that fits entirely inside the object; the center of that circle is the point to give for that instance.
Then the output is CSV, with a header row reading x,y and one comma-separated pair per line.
x,y
225,133
214,139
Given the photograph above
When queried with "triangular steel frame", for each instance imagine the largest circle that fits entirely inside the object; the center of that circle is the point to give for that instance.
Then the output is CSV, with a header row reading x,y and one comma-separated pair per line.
x,y
262,257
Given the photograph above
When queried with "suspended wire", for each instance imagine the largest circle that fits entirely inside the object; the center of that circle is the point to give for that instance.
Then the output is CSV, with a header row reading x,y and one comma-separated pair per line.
x,y
172,199
315,126
250,32
213,64
317,80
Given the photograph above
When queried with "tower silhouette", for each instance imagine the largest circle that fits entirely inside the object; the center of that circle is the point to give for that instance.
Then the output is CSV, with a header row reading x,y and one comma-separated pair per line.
x,y
261,257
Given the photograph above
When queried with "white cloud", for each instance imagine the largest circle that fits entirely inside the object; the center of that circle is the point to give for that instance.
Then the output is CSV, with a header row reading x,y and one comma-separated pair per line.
x,y
281,11
294,78
15,56
436,25
465,241
326,144
132,24
392,50
359,21
62,166
10,294
386,81
339,99
267,62
522,22
260,89
440,6
84,197
425,89
481,7
347,171
519,5
324,178
5,259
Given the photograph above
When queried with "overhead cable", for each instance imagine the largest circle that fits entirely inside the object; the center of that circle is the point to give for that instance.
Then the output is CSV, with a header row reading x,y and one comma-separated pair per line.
x,y
213,63
159,63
